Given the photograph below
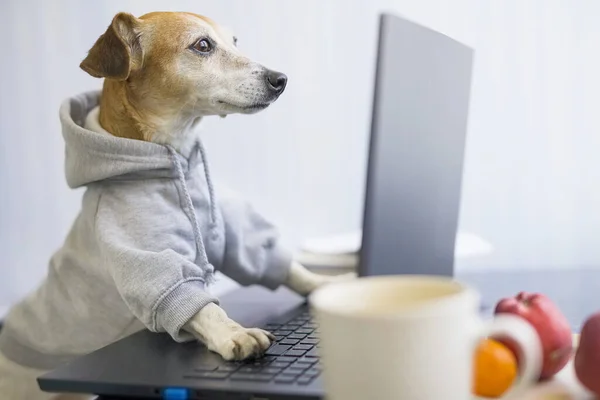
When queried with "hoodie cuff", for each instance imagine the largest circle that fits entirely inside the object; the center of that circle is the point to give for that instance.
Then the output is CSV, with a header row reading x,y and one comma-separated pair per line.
x,y
278,263
179,305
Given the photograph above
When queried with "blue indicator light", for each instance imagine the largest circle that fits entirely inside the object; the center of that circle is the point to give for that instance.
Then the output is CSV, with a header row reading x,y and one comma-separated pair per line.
x,y
175,394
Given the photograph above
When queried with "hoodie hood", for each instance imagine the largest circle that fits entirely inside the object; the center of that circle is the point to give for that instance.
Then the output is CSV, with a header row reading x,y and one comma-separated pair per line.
x,y
91,157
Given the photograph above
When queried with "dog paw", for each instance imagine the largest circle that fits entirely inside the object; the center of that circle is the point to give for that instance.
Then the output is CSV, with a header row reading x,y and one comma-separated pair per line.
x,y
224,336
242,343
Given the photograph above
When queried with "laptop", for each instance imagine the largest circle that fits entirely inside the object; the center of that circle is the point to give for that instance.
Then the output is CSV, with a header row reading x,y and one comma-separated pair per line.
x,y
419,123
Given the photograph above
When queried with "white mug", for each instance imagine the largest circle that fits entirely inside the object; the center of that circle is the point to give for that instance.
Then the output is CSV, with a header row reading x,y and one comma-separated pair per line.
x,y
410,338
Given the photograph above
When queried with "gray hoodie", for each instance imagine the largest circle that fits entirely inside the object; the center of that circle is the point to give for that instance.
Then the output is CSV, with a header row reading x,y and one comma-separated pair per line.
x,y
149,236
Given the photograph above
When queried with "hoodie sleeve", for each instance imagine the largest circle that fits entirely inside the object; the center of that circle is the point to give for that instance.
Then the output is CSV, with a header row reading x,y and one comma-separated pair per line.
x,y
253,252
149,255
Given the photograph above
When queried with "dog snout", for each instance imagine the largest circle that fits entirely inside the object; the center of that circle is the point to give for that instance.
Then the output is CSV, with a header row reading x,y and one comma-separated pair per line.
x,y
276,81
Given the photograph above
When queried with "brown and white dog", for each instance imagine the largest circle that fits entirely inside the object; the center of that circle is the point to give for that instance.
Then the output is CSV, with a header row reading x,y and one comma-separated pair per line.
x,y
195,71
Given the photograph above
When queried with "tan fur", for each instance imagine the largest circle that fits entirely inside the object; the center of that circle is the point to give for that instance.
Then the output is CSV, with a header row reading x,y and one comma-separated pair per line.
x,y
153,80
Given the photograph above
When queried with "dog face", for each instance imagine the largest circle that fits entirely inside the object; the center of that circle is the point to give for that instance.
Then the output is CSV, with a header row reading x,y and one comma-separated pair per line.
x,y
182,62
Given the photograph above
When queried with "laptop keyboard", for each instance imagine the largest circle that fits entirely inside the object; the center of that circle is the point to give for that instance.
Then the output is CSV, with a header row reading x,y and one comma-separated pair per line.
x,y
291,359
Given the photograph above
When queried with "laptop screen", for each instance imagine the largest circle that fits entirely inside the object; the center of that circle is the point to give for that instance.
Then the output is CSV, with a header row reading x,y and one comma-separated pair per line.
x,y
418,133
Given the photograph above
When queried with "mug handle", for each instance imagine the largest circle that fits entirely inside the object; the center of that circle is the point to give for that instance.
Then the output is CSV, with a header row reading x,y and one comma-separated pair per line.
x,y
529,346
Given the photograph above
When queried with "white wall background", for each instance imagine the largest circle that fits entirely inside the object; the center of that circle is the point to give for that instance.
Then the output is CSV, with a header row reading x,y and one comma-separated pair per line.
x,y
531,175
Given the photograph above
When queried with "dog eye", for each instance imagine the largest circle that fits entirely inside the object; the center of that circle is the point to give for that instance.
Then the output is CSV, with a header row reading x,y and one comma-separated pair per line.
x,y
202,46
235,41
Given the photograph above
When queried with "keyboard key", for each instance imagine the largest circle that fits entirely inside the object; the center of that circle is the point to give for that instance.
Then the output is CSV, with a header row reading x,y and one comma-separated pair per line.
x,y
292,372
296,336
262,361
309,341
312,372
300,368
313,337
289,341
295,353
303,331
302,347
216,375
304,380
309,361
228,368
312,353
280,364
252,377
277,350
282,332
272,327
265,359
279,337
271,370
285,379
305,328
250,368
286,359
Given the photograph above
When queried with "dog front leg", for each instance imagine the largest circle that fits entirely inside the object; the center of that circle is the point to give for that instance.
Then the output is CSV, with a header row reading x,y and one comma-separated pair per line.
x,y
224,336
304,282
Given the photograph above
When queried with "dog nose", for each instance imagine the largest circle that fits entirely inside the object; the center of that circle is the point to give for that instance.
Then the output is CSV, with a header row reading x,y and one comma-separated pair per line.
x,y
276,81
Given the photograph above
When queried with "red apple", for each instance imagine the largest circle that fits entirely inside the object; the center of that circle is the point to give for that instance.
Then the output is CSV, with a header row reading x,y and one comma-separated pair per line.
x,y
549,322
587,356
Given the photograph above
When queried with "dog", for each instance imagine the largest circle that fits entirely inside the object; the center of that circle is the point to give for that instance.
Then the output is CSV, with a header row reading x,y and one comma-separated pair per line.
x,y
151,227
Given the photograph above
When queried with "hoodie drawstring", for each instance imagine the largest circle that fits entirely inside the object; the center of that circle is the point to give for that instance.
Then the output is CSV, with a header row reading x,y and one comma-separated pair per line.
x,y
211,189
209,269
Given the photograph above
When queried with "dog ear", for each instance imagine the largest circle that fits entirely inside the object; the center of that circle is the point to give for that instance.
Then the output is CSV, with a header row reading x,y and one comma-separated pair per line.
x,y
117,51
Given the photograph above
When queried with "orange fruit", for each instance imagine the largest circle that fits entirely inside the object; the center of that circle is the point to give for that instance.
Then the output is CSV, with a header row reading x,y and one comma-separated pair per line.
x,y
495,368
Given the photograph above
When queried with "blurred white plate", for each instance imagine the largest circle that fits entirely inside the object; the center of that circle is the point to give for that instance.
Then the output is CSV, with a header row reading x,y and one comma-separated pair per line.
x,y
342,250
